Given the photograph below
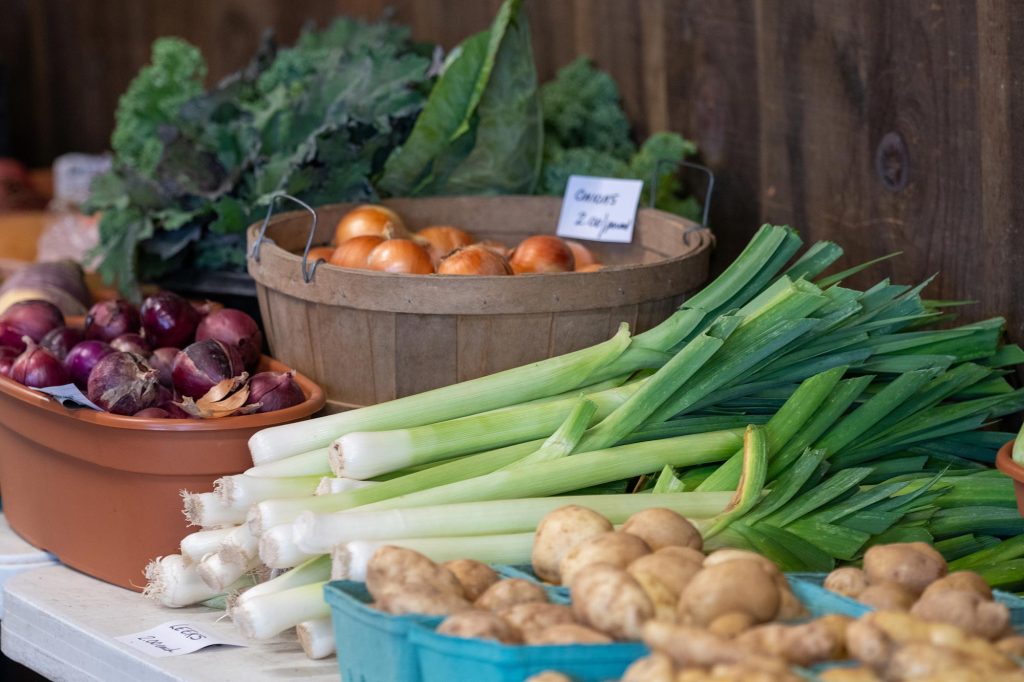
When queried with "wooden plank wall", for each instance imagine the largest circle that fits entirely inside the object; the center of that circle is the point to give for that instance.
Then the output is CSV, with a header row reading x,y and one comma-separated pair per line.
x,y
884,125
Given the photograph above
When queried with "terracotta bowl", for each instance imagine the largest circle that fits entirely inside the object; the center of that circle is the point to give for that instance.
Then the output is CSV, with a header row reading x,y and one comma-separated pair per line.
x,y
102,491
1005,463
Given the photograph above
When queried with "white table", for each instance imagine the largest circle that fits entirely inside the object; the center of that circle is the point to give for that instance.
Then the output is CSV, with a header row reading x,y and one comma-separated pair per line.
x,y
17,556
61,623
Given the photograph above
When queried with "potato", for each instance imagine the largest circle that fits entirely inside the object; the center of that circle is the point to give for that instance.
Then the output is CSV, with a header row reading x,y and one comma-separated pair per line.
x,y
966,581
682,554
560,531
887,596
722,556
731,624
733,586
663,578
474,576
548,676
654,668
567,633
790,607
477,624
848,581
914,565
395,568
661,527
1011,646
965,609
804,644
857,674
616,549
607,598
425,599
535,616
690,646
509,592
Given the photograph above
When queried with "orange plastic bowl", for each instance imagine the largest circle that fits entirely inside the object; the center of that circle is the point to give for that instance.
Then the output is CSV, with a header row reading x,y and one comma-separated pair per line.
x,y
1005,463
102,491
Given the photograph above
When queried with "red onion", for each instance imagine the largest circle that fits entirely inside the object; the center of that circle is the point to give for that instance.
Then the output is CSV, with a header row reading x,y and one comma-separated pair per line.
x,y
153,413
166,400
274,391
122,383
203,365
206,307
38,368
168,320
83,357
234,328
162,359
11,337
7,357
61,340
30,318
131,343
107,320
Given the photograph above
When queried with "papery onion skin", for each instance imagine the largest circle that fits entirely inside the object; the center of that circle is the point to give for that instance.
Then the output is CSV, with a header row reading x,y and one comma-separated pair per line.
x,y
274,391
542,253
153,413
441,240
593,267
495,246
131,343
7,357
61,340
355,252
38,368
81,360
107,320
400,256
162,359
168,320
369,219
474,260
203,365
318,252
34,318
122,383
582,255
235,328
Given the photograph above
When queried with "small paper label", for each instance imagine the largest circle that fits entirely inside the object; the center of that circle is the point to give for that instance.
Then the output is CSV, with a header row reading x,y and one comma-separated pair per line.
x,y
599,209
69,395
175,638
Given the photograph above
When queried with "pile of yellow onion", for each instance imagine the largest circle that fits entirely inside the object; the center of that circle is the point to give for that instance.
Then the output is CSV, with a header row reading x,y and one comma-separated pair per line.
x,y
372,237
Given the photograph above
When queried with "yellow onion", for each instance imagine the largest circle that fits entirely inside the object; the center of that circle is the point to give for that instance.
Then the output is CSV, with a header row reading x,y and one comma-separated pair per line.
x,y
474,260
542,253
593,267
401,256
318,252
440,240
369,219
496,246
354,252
582,255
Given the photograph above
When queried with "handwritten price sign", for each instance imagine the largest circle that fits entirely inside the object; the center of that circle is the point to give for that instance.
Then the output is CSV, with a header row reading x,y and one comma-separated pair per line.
x,y
599,209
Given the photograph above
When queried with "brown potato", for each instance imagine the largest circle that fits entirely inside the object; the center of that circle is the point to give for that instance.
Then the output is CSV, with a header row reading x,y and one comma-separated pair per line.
x,y
663,578
607,598
683,554
509,592
474,576
887,596
733,586
660,527
915,565
560,531
477,624
616,549
966,581
535,616
654,668
395,568
567,633
424,599
848,581
548,676
965,609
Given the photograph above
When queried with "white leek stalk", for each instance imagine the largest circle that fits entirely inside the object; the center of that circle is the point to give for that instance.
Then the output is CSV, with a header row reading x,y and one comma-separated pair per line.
x,y
240,545
316,638
349,561
317,569
330,485
319,533
279,549
511,387
219,573
209,511
244,491
268,615
195,546
312,463
174,584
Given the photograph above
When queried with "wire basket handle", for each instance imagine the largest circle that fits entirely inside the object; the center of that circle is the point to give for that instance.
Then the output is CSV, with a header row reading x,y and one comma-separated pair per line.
x,y
307,271
707,196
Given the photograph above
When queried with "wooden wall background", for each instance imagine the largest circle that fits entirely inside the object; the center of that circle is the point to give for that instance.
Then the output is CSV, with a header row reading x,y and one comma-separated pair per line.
x,y
883,125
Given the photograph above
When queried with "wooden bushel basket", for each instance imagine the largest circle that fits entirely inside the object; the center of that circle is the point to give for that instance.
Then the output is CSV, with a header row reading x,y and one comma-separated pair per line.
x,y
367,337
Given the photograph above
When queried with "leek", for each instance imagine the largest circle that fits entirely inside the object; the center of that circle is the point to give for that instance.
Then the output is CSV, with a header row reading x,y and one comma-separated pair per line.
x,y
268,615
195,546
316,637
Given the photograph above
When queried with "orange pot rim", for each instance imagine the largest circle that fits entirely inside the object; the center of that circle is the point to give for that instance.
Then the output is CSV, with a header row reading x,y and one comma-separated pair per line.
x,y
315,399
1005,463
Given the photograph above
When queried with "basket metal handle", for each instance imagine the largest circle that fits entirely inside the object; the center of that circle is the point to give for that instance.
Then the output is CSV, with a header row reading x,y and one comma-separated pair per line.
x,y
307,271
707,196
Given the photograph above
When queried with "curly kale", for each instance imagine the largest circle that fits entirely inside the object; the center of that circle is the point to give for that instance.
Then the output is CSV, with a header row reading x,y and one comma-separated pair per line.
x,y
153,99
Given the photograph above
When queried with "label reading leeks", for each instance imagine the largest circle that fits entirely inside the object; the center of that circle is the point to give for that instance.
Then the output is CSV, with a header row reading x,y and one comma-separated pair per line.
x,y
174,638
599,209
